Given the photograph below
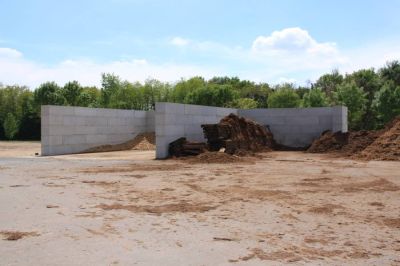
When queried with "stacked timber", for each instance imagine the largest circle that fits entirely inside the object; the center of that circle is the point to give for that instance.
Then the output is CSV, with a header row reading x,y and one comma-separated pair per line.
x,y
182,147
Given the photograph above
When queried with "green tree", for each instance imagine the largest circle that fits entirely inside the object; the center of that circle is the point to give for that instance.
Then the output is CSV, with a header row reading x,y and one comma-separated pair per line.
x,y
329,82
284,96
184,87
110,84
244,103
387,102
315,98
370,83
71,92
391,72
10,126
353,97
89,97
49,93
213,95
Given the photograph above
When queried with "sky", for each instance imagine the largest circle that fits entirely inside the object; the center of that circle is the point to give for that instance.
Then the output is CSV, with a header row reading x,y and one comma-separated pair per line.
x,y
263,41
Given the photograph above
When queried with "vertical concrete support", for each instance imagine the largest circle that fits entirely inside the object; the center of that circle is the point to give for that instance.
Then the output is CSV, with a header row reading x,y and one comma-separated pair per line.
x,y
68,130
339,118
173,121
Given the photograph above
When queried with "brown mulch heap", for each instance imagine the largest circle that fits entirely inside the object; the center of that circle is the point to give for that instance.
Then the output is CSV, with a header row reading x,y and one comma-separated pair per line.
x,y
214,157
236,133
142,142
346,144
386,146
371,145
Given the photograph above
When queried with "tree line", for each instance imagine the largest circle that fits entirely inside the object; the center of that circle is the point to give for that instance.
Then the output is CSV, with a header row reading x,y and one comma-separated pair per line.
x,y
372,97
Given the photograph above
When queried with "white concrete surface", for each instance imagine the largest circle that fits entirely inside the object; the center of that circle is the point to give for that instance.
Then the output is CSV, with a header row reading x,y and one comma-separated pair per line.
x,y
298,127
68,130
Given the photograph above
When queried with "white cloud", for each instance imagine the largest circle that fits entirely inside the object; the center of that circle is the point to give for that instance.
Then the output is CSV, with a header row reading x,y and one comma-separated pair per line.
x,y
178,41
18,70
292,40
8,52
289,55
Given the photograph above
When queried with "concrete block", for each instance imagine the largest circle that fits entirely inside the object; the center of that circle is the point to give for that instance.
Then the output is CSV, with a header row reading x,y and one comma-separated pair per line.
x,y
140,114
325,120
171,108
212,119
45,120
45,110
74,139
193,130
302,120
171,130
51,140
62,130
198,119
96,139
270,120
162,146
60,110
226,111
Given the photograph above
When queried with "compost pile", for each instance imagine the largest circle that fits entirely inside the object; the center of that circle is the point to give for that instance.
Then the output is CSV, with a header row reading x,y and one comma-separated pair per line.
x,y
344,143
372,145
386,146
142,142
238,135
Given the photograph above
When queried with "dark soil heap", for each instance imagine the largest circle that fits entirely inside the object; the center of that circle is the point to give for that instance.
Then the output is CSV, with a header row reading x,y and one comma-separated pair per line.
x,y
237,134
372,145
344,143
386,146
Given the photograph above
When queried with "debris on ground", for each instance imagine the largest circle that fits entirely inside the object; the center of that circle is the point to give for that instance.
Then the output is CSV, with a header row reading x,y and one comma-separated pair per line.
x,y
215,157
141,142
381,144
182,147
16,235
237,134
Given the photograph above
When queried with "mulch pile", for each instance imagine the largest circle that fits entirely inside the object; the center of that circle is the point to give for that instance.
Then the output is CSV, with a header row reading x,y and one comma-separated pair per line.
x,y
214,157
237,134
372,145
142,142
386,146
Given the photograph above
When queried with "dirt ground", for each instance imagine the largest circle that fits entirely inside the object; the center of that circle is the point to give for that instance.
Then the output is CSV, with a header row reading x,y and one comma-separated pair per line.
x,y
125,208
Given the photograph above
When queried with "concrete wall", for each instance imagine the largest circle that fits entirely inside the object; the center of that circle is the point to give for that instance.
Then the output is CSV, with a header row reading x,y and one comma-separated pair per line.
x,y
294,127
298,127
183,120
68,130
75,129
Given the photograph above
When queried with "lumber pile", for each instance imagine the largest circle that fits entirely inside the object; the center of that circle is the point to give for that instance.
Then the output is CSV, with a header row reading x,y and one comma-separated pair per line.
x,y
182,147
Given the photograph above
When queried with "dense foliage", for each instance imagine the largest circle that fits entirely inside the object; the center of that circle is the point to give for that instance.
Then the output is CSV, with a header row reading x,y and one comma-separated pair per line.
x,y
372,97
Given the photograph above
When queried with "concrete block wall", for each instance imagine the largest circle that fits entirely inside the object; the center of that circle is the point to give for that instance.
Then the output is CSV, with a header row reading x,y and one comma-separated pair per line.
x,y
68,130
298,127
183,120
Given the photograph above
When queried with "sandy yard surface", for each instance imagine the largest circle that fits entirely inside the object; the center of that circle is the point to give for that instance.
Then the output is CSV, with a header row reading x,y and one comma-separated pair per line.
x,y
125,208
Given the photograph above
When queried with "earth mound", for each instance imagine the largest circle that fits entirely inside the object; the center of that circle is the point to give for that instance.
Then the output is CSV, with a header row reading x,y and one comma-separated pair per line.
x,y
142,142
386,146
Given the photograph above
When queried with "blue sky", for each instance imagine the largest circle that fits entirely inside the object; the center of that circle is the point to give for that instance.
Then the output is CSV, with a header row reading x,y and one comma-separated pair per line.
x,y
272,41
